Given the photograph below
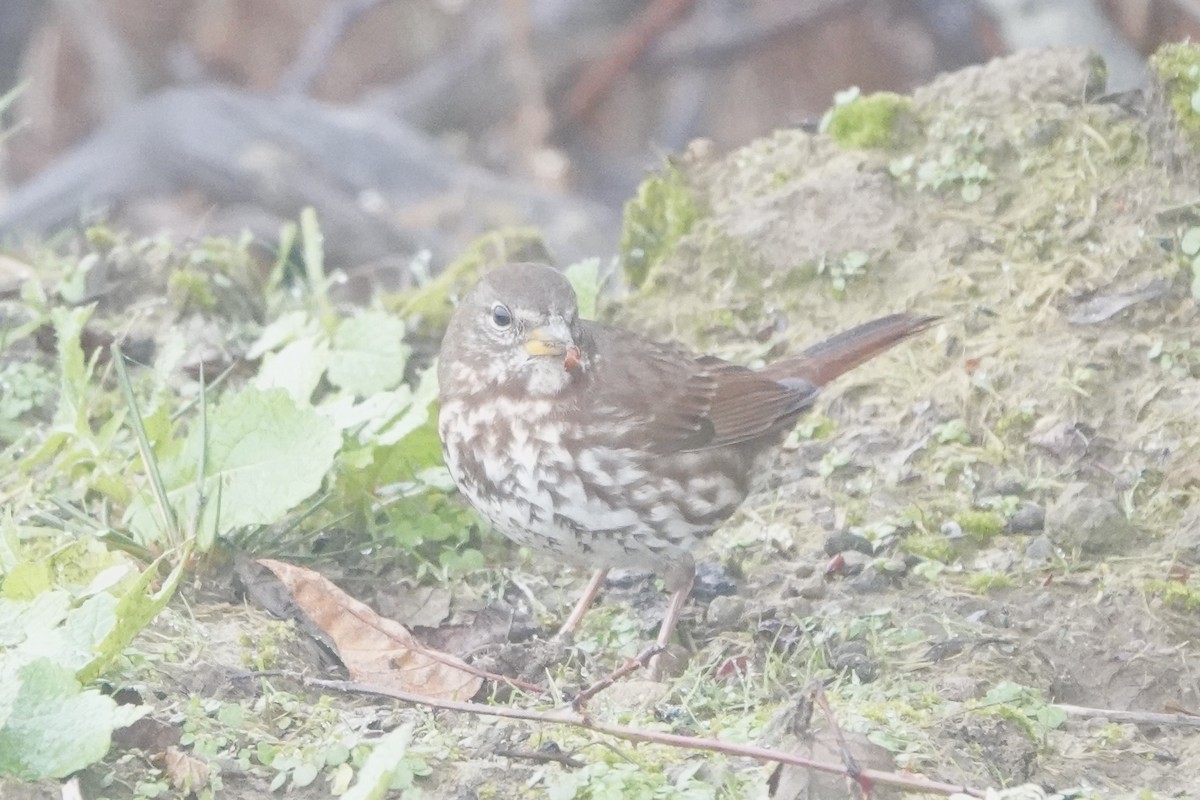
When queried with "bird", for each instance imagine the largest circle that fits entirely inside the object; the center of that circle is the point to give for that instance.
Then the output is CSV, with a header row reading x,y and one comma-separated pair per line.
x,y
603,448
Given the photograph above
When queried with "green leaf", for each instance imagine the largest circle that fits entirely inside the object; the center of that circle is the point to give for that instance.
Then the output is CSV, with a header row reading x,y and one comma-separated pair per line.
x,y
1190,243
27,580
585,280
68,325
265,455
297,368
18,619
283,329
1050,717
375,777
417,414
369,354
368,417
131,612
1007,692
49,725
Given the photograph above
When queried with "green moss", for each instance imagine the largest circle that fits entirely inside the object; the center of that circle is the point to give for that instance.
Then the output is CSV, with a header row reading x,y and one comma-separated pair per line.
x,y
985,582
263,650
662,213
980,525
102,237
870,121
930,546
191,290
427,308
1178,68
1176,594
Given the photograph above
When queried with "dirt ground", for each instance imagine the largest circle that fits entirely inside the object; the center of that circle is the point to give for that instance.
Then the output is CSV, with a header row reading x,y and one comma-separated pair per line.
x,y
982,543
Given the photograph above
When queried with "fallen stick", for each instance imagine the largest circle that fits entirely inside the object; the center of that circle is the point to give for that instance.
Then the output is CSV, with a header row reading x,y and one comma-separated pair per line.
x,y
567,716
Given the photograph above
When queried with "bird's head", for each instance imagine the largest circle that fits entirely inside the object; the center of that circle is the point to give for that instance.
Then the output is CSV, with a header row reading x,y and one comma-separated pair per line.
x,y
518,327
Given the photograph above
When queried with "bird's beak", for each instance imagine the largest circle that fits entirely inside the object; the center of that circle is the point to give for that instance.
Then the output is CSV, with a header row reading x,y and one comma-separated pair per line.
x,y
551,339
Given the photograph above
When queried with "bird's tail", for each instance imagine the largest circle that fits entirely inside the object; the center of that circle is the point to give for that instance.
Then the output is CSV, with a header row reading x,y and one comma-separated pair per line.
x,y
842,352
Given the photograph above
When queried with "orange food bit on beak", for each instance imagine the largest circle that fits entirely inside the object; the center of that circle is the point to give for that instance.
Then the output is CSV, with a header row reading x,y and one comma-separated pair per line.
x,y
571,359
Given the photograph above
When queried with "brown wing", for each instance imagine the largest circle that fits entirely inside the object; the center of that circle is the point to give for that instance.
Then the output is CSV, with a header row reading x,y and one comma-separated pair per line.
x,y
676,401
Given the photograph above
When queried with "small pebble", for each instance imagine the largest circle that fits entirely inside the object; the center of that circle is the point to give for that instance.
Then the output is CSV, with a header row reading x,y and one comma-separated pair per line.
x,y
725,613
1039,550
843,541
1029,518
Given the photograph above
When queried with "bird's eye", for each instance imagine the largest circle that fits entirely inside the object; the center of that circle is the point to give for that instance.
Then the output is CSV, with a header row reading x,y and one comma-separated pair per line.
x,y
501,316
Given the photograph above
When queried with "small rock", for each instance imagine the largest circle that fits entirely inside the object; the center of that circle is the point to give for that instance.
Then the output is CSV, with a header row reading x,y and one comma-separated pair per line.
x,y
952,530
994,559
892,566
869,581
1039,550
625,578
725,613
812,589
1009,486
631,693
844,541
794,608
1043,602
959,688
712,580
1090,524
1029,518
854,657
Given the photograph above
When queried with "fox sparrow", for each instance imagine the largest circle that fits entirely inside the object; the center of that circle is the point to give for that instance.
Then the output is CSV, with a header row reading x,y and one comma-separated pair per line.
x,y
600,447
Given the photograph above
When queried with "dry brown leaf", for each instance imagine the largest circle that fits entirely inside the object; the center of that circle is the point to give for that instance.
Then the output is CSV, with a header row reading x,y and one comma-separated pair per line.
x,y
375,649
187,774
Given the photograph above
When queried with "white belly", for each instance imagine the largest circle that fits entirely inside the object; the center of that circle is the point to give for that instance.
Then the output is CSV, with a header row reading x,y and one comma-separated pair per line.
x,y
596,509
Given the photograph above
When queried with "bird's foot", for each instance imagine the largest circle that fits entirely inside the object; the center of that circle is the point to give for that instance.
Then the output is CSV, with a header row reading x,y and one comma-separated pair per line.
x,y
639,661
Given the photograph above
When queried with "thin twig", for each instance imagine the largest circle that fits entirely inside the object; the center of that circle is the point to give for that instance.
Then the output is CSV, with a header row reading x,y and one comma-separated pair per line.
x,y
853,769
633,664
1136,717
568,716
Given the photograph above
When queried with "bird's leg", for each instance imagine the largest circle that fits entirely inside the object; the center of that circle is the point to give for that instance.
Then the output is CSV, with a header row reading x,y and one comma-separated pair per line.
x,y
585,602
674,609
680,584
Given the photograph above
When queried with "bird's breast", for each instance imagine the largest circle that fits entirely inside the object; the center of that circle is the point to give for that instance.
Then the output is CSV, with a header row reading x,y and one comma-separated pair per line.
x,y
553,481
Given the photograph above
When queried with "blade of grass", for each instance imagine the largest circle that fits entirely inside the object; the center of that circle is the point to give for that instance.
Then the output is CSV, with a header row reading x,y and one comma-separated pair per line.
x,y
204,538
313,243
170,524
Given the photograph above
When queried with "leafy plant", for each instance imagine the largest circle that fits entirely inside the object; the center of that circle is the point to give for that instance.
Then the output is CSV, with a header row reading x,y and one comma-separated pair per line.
x,y
957,162
842,270
655,220
111,467
1025,706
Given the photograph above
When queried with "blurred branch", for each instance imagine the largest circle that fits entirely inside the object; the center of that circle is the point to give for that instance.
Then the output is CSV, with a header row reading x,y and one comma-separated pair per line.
x,y
382,189
18,21
599,78
649,41
534,121
1190,7
710,48
114,75
320,44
